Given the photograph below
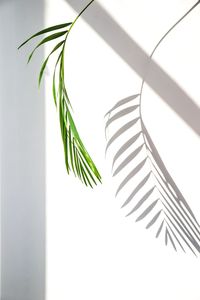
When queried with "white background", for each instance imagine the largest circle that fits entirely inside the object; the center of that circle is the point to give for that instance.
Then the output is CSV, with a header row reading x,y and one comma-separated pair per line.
x,y
93,251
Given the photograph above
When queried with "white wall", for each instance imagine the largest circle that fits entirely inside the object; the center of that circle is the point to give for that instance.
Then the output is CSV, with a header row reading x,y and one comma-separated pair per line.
x,y
22,146
93,251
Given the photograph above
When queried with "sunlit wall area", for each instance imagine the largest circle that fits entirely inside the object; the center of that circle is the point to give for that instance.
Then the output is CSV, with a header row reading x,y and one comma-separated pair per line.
x,y
93,250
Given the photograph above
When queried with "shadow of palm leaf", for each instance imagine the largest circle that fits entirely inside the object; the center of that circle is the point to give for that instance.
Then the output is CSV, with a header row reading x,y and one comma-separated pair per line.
x,y
163,204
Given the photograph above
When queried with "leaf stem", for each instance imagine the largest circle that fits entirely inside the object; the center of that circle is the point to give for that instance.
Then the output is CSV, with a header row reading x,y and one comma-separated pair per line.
x,y
73,23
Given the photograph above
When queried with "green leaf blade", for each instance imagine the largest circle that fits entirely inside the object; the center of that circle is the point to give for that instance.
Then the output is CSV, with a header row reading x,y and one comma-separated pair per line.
x,y
46,61
64,135
49,29
45,40
54,79
71,151
82,148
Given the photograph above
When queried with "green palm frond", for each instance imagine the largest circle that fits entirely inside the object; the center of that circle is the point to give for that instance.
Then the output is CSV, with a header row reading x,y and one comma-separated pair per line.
x,y
77,159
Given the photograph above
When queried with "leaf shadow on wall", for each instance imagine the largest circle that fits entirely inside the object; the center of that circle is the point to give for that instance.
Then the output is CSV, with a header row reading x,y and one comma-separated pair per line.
x,y
154,193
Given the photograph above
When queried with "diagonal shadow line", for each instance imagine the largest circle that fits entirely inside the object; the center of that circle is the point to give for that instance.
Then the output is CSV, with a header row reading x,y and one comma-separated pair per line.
x,y
114,35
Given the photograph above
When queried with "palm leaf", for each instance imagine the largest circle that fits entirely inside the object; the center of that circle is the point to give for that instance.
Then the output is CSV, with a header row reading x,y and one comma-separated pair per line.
x,y
77,158
49,29
46,60
45,40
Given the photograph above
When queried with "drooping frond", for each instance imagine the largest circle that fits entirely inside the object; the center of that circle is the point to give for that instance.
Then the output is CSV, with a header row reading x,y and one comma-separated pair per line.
x,y
152,193
77,158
